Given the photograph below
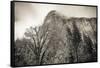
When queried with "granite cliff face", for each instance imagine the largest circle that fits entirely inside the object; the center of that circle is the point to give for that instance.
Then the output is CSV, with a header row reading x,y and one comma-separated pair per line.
x,y
71,39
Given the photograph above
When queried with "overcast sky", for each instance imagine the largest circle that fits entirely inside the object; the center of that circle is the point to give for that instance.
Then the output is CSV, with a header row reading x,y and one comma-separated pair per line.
x,y
33,14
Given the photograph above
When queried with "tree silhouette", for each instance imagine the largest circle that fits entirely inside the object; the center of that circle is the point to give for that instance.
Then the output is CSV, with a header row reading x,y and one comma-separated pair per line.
x,y
39,37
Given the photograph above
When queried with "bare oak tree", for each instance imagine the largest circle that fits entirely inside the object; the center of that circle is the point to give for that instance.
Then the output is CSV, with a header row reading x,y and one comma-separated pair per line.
x,y
39,40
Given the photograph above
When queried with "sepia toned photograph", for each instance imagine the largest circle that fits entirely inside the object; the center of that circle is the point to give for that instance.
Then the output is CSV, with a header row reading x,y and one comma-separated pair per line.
x,y
53,33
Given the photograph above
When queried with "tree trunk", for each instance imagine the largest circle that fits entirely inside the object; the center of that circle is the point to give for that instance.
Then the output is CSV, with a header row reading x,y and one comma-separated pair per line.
x,y
76,55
